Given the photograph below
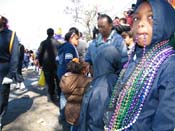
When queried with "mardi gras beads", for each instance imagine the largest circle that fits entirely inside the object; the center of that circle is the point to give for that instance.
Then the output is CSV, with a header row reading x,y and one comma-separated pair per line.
x,y
130,100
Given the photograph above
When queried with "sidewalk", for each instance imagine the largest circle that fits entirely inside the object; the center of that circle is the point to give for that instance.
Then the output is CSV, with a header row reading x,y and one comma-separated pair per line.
x,y
29,110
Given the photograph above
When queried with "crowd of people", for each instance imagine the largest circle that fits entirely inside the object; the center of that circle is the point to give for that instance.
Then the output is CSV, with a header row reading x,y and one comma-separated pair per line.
x,y
122,81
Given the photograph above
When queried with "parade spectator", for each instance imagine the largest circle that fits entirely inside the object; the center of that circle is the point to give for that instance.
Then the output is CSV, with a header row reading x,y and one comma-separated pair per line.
x,y
26,59
36,61
66,52
128,14
31,58
82,47
122,26
106,54
73,84
20,78
129,40
47,53
116,21
8,63
128,17
123,21
95,32
143,98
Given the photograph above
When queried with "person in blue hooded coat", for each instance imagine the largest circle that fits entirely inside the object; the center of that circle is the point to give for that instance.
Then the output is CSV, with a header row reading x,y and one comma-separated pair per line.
x,y
106,53
144,96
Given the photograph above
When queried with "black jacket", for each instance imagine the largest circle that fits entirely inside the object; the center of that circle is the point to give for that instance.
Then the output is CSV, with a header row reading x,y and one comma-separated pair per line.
x,y
47,54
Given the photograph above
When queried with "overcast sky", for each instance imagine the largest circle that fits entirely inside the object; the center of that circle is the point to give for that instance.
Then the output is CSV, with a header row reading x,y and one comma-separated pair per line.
x,y
31,18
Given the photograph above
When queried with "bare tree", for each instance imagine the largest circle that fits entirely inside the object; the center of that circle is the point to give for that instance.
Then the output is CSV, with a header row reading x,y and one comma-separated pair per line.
x,y
82,16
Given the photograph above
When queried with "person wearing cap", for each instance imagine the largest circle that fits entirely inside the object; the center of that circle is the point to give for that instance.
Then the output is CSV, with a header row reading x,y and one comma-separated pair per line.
x,y
8,63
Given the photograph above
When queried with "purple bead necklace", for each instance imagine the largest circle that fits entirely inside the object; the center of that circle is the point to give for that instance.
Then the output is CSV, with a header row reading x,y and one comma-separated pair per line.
x,y
129,102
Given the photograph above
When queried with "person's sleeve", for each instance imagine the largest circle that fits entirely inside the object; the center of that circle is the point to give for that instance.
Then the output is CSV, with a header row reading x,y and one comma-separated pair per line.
x,y
69,54
22,53
124,53
88,55
40,53
164,119
14,58
121,46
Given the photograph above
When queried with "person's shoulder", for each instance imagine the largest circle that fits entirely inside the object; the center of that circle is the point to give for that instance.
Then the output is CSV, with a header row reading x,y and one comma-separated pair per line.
x,y
116,34
43,42
69,46
21,46
170,61
168,66
61,48
92,42
54,41
117,37
7,31
11,32
65,47
68,74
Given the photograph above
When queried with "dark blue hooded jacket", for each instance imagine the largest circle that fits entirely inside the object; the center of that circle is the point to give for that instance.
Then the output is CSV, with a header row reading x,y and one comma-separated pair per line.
x,y
158,113
107,59
8,61
66,52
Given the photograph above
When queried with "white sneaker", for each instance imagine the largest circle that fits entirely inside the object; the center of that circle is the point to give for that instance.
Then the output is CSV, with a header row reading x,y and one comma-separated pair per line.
x,y
22,85
7,80
17,85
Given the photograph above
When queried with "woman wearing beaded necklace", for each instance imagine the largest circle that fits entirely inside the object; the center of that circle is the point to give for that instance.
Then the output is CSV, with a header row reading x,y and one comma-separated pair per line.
x,y
143,98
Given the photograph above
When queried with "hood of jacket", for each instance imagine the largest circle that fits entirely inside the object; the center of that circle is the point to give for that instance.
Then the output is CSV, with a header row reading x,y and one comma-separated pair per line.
x,y
61,48
163,19
163,23
109,61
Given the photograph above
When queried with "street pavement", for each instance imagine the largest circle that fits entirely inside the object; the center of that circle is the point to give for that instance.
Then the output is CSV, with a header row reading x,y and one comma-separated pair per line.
x,y
28,108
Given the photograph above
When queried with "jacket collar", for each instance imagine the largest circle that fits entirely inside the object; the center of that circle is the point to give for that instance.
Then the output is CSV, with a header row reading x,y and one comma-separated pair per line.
x,y
100,41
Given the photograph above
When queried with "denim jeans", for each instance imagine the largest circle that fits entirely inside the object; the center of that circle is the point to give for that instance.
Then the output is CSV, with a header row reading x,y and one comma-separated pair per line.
x,y
73,128
66,126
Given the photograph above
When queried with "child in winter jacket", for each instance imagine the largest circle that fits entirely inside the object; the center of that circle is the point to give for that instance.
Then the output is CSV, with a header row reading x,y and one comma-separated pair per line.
x,y
74,84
